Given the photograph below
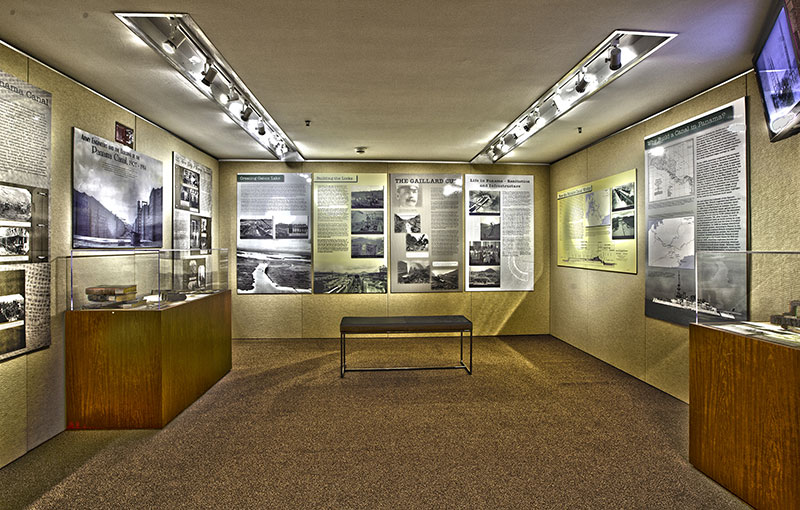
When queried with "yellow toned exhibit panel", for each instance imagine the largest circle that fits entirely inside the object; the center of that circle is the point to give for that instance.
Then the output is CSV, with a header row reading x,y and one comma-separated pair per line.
x,y
597,224
350,252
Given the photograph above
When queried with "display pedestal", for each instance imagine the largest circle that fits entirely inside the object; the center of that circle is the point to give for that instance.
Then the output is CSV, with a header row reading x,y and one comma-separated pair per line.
x,y
131,369
744,415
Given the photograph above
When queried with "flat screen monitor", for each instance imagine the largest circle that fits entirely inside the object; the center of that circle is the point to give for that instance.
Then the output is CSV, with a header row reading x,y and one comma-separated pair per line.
x,y
778,73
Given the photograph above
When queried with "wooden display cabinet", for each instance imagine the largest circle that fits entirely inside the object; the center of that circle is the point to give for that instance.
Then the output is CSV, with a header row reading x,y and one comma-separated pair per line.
x,y
134,368
744,415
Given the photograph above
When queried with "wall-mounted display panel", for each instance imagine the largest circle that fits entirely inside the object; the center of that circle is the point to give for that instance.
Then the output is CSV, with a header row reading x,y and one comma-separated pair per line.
x,y
350,233
273,237
597,224
499,227
25,119
117,195
696,199
426,226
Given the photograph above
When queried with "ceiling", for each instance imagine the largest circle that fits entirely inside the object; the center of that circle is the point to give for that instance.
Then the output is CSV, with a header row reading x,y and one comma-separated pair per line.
x,y
410,80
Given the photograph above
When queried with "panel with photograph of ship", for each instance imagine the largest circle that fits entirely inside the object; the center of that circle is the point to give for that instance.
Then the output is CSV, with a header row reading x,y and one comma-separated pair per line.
x,y
484,202
366,197
489,277
366,222
291,227
256,228
409,223
12,311
366,247
484,253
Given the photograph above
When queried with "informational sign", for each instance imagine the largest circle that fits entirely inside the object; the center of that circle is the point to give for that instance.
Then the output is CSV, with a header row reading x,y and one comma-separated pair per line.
x,y
426,225
696,175
597,224
499,226
350,234
25,118
117,195
191,221
273,240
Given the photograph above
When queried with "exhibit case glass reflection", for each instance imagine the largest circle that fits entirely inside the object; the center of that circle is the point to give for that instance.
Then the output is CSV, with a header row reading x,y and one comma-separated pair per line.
x,y
767,309
149,279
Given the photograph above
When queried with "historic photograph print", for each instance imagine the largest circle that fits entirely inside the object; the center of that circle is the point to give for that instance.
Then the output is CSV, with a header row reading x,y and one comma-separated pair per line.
x,y
410,223
489,277
623,197
623,226
371,280
484,202
291,227
484,253
412,271
12,311
15,205
366,247
366,222
366,197
260,228
490,228
417,243
445,278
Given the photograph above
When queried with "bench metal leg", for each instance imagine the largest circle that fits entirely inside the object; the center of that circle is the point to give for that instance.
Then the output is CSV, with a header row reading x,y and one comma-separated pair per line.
x,y
341,354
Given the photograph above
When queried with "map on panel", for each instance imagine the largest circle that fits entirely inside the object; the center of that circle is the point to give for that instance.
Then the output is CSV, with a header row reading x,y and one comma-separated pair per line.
x,y
671,242
671,171
598,208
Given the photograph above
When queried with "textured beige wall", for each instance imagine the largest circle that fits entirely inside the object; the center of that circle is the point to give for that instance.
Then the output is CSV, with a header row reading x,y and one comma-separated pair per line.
x,y
32,399
603,313
318,316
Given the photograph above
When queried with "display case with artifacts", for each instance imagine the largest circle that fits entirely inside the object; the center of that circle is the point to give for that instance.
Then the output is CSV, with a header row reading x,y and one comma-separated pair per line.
x,y
757,309
144,279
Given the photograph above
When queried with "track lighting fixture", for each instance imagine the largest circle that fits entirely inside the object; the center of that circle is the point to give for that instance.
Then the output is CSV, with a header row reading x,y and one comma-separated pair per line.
x,y
582,81
205,68
614,56
246,113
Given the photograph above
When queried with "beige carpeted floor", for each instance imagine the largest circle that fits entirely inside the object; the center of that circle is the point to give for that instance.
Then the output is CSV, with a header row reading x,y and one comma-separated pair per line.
x,y
539,425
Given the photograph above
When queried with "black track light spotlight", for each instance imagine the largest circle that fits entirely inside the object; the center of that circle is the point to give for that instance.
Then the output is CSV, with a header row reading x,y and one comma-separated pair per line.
x,y
261,130
208,76
581,84
169,47
246,113
614,56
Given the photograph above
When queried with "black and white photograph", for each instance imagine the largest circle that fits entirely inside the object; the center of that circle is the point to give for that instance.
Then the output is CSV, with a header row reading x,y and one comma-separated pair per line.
x,y
194,232
190,198
205,233
623,226
484,202
366,222
484,253
489,277
366,247
623,197
14,241
413,271
366,197
12,311
417,243
192,268
445,278
256,228
273,272
117,196
291,227
370,280
15,205
408,195
490,228
407,223
190,179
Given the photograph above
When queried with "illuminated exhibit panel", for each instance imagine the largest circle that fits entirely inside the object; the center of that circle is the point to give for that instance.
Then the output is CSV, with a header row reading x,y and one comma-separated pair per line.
x,y
696,199
426,225
273,236
499,226
350,234
25,117
117,195
597,224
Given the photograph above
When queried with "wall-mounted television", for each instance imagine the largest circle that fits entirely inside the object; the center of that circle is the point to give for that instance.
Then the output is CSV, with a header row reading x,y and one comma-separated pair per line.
x,y
778,73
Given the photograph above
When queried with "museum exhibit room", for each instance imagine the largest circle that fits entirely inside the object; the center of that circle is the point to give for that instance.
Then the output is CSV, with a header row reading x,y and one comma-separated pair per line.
x,y
412,254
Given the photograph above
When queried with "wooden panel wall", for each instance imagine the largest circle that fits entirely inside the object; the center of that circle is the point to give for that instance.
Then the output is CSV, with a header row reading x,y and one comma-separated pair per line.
x,y
744,417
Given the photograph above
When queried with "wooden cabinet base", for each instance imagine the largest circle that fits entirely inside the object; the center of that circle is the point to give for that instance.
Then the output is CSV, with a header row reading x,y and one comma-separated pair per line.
x,y
744,415
130,369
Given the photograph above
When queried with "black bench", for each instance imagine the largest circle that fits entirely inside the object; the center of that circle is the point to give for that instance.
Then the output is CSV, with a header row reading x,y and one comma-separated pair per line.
x,y
405,324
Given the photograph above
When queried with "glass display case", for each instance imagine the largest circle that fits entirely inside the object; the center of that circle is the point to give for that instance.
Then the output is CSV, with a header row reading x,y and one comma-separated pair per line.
x,y
144,279
767,307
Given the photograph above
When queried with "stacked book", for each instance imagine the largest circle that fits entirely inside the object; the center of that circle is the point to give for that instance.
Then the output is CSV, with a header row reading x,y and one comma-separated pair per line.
x,y
111,296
